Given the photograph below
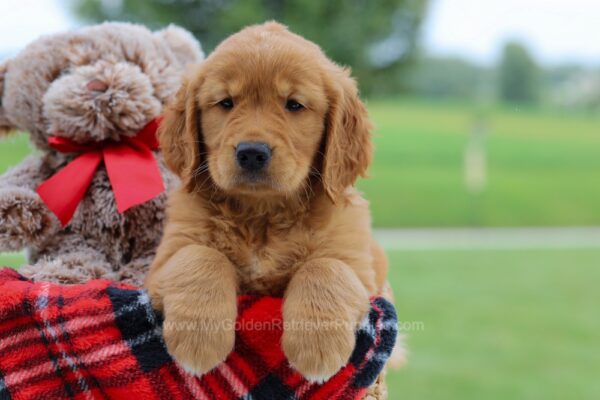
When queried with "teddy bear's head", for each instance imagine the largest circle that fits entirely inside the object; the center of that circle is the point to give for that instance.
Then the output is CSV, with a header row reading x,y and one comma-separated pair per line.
x,y
98,83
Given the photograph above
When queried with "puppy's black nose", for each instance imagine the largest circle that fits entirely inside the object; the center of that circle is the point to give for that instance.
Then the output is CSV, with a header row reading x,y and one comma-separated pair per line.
x,y
253,156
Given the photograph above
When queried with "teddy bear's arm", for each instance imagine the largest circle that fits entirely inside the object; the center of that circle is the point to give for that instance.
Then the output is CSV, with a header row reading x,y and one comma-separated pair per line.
x,y
24,219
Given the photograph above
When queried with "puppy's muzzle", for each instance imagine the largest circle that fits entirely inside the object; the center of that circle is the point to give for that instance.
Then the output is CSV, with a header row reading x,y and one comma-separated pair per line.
x,y
253,156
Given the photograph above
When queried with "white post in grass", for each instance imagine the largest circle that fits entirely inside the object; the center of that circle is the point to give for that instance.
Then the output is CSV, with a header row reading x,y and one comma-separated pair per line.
x,y
475,159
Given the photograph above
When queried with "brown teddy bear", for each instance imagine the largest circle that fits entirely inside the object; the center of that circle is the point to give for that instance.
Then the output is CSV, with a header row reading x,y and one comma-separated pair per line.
x,y
90,202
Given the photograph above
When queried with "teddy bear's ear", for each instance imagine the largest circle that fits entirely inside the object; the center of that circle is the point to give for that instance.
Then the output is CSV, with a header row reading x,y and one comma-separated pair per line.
x,y
5,125
183,44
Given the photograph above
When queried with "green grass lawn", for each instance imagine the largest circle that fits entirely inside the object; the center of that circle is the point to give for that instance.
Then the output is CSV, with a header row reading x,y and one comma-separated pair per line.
x,y
498,325
543,168
14,260
13,149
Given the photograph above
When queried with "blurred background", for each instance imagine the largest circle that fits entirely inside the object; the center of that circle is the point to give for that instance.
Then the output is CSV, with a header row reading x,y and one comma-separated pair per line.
x,y
486,184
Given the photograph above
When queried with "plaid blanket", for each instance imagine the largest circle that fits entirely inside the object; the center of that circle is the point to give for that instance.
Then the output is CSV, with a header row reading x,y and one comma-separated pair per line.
x,y
103,340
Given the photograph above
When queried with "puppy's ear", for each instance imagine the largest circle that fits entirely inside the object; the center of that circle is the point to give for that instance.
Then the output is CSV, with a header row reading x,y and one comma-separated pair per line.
x,y
5,125
348,149
180,133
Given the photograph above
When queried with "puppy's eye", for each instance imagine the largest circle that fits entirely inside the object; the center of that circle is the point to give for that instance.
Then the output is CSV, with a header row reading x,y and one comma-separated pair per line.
x,y
226,103
293,105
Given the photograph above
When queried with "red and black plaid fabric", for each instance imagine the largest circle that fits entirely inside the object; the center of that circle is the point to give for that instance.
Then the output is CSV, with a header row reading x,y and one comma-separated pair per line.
x,y
103,340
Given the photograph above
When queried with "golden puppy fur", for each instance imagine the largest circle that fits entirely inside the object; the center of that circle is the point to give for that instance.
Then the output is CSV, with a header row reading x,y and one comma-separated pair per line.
x,y
298,229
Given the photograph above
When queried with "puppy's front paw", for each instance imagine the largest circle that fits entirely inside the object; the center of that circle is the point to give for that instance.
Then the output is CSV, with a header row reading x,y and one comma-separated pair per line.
x,y
318,349
198,345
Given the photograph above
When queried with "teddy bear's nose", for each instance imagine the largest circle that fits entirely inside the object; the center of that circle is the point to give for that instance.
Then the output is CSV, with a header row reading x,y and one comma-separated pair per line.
x,y
96,85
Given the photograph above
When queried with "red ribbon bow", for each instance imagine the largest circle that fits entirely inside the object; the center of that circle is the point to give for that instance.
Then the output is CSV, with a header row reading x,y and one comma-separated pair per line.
x,y
130,164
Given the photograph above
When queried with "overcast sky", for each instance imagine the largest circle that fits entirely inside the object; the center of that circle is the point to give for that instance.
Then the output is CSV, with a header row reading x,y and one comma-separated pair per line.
x,y
21,21
556,30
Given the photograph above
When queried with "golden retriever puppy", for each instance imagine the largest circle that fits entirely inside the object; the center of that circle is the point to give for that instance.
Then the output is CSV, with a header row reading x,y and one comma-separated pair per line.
x,y
268,136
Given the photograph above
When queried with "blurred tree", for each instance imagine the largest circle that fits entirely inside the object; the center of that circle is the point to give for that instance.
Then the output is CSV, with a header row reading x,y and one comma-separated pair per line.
x,y
519,75
376,38
450,77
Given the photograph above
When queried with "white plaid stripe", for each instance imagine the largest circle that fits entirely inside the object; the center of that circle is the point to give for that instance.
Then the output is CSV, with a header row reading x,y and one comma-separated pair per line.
x,y
305,387
236,384
192,385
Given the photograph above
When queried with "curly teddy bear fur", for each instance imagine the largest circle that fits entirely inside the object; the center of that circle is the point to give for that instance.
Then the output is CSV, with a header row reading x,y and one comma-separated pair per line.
x,y
99,83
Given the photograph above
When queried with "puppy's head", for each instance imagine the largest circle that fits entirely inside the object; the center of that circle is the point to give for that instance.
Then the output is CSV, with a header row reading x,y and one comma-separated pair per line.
x,y
262,114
